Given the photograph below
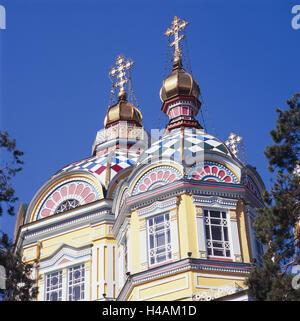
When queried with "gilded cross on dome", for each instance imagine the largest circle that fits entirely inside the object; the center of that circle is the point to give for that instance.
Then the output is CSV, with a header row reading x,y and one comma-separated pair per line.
x,y
296,171
120,71
232,141
177,25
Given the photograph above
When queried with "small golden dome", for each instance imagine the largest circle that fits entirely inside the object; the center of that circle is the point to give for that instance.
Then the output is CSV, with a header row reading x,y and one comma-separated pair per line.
x,y
123,110
179,82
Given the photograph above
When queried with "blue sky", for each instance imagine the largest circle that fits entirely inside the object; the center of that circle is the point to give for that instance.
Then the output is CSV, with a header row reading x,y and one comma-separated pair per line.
x,y
56,55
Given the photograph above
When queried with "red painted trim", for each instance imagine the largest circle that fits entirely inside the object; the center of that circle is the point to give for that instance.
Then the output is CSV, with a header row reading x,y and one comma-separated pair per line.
x,y
161,264
193,100
160,271
219,259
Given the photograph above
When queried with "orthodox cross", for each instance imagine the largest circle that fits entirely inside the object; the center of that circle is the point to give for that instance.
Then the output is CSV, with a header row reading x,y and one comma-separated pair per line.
x,y
120,72
296,171
232,141
177,25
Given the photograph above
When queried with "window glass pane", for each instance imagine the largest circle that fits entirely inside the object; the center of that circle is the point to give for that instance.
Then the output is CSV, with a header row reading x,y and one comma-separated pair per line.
x,y
216,233
76,282
158,219
159,238
159,227
225,233
76,293
53,286
161,258
160,250
215,221
54,296
218,252
217,244
214,214
151,242
207,232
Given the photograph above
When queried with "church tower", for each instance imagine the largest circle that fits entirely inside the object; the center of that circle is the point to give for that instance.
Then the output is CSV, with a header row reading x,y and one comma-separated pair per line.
x,y
184,215
136,222
66,230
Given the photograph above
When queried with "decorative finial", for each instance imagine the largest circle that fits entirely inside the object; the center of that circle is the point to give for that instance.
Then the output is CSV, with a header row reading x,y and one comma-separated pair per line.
x,y
120,72
177,25
296,171
232,141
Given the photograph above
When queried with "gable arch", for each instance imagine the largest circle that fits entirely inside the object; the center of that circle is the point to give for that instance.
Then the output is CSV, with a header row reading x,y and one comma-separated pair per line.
x,y
154,177
212,171
82,188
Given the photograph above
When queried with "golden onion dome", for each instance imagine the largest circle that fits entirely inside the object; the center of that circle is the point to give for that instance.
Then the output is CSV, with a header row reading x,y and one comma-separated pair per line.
x,y
179,82
123,110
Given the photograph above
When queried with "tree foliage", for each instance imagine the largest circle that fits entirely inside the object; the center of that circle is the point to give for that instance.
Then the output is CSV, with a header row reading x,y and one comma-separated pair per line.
x,y
10,165
19,284
276,221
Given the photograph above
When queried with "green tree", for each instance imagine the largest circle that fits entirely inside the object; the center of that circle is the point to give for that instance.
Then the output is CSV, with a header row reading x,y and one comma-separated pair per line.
x,y
272,281
10,165
19,286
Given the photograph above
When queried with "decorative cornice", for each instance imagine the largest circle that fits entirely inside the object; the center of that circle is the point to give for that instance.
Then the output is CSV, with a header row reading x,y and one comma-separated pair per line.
x,y
182,266
158,205
65,221
214,200
65,224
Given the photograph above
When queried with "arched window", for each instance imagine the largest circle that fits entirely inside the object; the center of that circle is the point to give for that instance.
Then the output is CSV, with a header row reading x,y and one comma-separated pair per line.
x,y
67,205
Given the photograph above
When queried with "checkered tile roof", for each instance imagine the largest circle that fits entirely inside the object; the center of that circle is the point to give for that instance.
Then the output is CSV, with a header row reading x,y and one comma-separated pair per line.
x,y
195,141
97,165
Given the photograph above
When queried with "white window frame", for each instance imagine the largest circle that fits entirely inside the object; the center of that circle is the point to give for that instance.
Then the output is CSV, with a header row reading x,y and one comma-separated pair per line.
x,y
64,286
49,290
167,246
228,242
71,285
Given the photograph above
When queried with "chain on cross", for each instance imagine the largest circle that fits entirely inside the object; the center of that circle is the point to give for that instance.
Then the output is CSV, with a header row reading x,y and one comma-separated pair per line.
x,y
232,141
120,72
177,25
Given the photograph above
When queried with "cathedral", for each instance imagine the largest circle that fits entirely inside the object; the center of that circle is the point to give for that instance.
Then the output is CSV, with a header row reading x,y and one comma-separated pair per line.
x,y
143,219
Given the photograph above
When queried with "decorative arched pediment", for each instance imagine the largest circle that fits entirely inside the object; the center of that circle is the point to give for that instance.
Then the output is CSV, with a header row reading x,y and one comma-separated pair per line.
x,y
213,172
65,255
63,195
124,196
156,177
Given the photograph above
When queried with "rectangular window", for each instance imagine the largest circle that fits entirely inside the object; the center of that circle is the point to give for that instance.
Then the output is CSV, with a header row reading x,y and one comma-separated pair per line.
x,y
54,286
159,238
76,283
216,229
